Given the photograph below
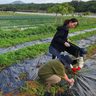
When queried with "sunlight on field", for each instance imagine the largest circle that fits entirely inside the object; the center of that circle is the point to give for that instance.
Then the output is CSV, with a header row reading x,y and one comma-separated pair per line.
x,y
9,13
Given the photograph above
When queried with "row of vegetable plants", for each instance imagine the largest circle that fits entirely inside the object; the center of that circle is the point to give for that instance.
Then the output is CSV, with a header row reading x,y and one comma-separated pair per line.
x,y
35,20
9,58
17,36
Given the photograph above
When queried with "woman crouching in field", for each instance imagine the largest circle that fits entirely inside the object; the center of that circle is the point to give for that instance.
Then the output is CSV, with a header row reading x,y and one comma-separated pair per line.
x,y
53,72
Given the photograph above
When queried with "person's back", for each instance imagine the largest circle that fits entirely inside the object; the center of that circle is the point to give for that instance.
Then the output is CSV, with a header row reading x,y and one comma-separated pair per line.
x,y
50,68
53,72
59,38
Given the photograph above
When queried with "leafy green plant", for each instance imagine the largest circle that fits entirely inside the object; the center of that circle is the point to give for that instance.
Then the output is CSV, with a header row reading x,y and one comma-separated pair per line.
x,y
33,51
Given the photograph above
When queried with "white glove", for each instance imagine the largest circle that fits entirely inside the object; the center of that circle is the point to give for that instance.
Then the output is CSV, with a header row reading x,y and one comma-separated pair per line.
x,y
67,44
81,62
71,82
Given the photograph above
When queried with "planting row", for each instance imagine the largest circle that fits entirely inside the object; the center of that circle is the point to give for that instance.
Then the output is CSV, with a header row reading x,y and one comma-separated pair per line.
x,y
28,52
16,37
35,20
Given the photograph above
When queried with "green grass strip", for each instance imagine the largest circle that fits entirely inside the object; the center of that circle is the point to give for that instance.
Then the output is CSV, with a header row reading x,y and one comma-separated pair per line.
x,y
82,36
25,53
12,39
91,50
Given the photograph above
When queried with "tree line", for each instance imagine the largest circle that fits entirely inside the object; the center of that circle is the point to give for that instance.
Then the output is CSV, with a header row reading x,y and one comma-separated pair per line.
x,y
81,6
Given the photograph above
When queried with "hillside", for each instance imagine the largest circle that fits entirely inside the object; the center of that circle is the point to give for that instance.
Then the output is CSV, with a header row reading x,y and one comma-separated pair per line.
x,y
18,2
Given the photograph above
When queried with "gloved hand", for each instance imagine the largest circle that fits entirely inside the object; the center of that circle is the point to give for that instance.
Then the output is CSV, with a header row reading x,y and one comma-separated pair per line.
x,y
76,69
67,44
71,82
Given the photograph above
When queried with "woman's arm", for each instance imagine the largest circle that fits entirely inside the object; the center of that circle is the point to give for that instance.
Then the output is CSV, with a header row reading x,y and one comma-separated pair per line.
x,y
70,81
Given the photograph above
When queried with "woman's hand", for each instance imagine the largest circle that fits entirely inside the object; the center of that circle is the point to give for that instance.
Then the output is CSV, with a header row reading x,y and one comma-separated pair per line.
x,y
67,44
71,81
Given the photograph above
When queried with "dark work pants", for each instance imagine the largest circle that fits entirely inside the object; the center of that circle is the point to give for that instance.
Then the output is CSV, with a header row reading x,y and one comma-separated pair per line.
x,y
73,50
54,52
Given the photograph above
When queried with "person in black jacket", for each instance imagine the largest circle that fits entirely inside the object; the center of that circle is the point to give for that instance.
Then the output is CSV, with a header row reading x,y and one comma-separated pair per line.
x,y
60,42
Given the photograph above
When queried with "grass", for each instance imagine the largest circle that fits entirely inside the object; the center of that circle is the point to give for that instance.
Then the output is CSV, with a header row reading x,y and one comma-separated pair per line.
x,y
42,27
14,37
82,36
7,13
23,20
10,58
34,20
37,88
91,50
85,23
25,53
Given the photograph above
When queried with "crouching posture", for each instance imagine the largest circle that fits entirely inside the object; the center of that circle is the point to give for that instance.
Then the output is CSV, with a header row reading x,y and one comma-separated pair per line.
x,y
53,72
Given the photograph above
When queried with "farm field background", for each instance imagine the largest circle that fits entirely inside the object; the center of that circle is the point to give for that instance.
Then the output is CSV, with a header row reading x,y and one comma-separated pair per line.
x,y
19,28
16,29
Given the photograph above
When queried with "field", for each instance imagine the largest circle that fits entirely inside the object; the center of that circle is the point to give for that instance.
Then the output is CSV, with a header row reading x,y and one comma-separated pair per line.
x,y
16,29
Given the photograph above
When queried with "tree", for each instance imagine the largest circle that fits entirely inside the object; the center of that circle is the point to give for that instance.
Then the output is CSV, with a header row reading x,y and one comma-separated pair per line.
x,y
55,9
62,9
